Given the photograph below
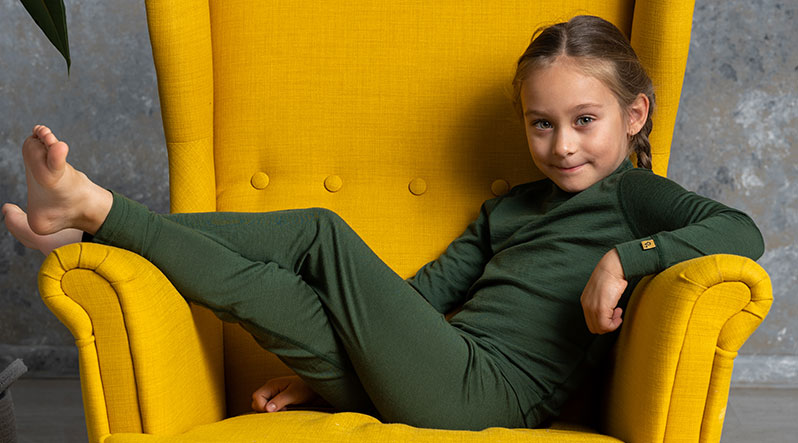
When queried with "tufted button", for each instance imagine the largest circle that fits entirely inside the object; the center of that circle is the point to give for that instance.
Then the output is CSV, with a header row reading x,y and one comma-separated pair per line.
x,y
499,187
418,186
259,180
333,183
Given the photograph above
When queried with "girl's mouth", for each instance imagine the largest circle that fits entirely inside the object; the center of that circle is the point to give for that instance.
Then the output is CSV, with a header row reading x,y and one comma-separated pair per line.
x,y
571,169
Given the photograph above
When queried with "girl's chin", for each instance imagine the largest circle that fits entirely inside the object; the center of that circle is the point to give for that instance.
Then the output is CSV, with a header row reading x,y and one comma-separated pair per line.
x,y
573,189
574,185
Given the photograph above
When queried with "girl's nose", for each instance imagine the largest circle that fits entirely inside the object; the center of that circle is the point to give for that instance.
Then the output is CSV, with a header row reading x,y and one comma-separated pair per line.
x,y
564,145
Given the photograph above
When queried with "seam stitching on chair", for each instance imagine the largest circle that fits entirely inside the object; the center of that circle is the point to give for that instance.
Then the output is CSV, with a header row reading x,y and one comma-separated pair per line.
x,y
130,351
678,363
124,323
681,352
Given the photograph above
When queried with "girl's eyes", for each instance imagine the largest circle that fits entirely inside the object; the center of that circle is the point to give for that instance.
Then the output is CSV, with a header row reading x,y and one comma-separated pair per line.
x,y
545,124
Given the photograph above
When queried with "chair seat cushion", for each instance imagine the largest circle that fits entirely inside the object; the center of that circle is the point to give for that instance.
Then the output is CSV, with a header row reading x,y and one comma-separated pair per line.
x,y
310,426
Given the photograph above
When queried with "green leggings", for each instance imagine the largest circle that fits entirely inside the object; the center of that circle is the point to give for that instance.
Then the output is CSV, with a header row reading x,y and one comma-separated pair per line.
x,y
311,291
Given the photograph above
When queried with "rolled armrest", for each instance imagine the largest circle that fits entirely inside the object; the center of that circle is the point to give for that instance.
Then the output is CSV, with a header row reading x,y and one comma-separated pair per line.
x,y
148,361
681,332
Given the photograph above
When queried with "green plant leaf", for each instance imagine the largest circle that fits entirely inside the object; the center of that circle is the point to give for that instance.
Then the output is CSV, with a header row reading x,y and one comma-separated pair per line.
x,y
50,15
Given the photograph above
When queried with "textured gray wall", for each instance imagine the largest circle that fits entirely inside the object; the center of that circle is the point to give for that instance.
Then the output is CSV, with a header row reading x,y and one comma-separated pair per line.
x,y
108,112
733,142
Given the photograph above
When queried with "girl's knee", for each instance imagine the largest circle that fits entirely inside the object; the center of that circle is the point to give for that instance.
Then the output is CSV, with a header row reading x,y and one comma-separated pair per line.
x,y
327,218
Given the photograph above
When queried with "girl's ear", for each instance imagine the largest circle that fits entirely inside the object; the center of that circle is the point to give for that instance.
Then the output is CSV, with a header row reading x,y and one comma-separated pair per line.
x,y
637,113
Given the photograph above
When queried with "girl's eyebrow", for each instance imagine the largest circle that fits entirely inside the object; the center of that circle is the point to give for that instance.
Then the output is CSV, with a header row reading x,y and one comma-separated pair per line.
x,y
586,106
577,108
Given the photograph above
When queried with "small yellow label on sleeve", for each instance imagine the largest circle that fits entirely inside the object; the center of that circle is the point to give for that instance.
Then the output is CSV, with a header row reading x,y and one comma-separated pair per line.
x,y
648,244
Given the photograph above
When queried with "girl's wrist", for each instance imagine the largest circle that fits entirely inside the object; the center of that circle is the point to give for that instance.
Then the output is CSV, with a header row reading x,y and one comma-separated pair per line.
x,y
612,263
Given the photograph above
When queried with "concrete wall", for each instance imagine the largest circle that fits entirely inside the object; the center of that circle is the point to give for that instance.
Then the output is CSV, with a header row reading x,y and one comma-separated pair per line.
x,y
107,110
733,142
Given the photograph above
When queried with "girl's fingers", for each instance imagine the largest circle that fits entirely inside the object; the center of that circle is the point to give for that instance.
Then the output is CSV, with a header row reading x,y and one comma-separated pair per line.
x,y
281,400
605,323
616,319
280,392
259,403
261,397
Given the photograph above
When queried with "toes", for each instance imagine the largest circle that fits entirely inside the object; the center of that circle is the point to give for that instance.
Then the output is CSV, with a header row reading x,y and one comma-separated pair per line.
x,y
16,220
49,139
46,135
52,143
56,156
41,130
8,208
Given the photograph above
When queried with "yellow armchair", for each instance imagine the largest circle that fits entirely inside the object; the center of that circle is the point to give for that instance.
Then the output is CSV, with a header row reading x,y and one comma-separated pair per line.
x,y
397,116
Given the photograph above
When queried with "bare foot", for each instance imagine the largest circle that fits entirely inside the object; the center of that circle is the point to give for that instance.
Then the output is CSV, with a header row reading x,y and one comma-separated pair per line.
x,y
59,196
17,223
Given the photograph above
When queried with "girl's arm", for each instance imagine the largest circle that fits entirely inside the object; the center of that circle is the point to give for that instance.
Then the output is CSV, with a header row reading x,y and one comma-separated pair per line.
x,y
672,225
445,281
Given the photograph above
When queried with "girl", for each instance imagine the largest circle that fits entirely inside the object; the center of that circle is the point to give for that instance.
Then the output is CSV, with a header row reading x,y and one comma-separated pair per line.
x,y
542,274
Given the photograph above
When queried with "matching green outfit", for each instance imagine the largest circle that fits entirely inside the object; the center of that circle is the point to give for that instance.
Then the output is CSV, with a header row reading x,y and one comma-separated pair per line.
x,y
309,290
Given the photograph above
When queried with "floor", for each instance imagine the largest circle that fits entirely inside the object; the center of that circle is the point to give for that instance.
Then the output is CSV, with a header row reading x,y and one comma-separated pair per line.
x,y
754,414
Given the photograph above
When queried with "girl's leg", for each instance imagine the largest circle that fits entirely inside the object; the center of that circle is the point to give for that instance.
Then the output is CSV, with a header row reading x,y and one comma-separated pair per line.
x,y
273,304
415,367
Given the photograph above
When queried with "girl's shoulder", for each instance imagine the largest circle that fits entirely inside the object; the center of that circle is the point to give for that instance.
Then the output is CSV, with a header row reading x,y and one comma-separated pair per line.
x,y
529,194
534,189
536,186
641,180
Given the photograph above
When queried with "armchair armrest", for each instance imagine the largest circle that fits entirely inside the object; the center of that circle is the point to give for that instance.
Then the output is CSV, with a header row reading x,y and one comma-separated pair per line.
x,y
148,361
681,333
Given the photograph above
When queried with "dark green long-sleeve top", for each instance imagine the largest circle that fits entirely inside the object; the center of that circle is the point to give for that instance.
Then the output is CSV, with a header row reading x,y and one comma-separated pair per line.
x,y
520,268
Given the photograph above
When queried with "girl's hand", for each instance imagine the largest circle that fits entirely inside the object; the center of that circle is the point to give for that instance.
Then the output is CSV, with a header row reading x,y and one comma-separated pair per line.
x,y
280,392
601,294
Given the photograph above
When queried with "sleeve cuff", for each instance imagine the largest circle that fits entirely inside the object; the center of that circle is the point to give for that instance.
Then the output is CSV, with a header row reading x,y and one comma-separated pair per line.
x,y
640,257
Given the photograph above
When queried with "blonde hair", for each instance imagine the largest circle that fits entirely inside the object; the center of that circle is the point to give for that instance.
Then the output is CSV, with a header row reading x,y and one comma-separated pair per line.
x,y
601,51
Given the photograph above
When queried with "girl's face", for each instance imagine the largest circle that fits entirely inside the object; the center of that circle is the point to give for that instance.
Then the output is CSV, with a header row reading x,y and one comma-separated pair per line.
x,y
577,131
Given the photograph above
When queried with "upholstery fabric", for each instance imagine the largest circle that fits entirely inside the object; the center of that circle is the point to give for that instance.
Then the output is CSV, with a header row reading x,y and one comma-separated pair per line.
x,y
377,94
120,306
396,115
313,427
669,345
672,361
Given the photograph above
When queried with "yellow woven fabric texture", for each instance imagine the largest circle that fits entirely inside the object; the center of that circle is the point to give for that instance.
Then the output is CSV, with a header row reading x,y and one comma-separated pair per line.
x,y
710,312
158,353
661,38
717,396
180,33
314,427
77,320
377,94
96,295
665,354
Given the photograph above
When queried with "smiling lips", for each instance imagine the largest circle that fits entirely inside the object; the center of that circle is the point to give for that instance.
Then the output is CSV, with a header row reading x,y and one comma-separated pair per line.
x,y
569,170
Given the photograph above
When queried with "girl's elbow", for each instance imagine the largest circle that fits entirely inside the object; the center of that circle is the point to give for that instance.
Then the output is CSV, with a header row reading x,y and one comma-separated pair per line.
x,y
759,245
756,242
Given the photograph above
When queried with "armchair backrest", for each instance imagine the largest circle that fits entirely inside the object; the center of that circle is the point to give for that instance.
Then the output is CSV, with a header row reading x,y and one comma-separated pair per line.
x,y
396,115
